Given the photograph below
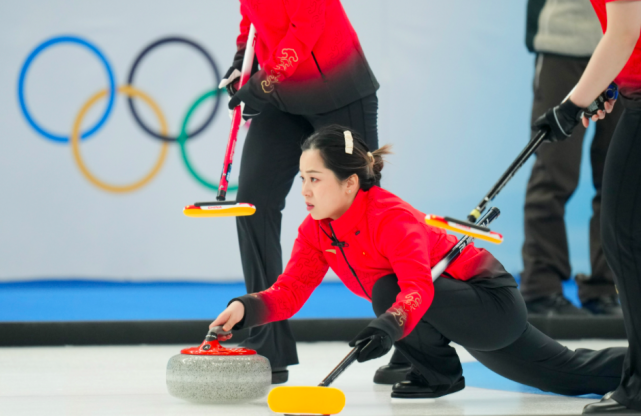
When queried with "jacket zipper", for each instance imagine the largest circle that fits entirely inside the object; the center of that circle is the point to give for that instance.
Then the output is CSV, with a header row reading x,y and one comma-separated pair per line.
x,y
319,68
340,245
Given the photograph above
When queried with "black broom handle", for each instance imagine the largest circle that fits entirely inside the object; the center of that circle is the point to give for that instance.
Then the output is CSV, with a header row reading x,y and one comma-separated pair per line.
x,y
611,93
509,173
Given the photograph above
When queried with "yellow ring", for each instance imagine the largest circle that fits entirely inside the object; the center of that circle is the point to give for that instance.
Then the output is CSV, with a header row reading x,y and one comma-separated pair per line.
x,y
75,140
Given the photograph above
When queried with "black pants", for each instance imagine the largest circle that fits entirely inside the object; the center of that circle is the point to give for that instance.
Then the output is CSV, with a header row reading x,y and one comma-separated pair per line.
x,y
621,230
268,167
491,323
554,178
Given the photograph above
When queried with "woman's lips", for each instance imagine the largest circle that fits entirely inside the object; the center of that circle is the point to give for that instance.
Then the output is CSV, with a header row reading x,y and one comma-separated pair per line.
x,y
310,207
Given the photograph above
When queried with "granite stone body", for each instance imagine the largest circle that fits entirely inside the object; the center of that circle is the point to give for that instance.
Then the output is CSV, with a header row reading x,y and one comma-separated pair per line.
x,y
218,379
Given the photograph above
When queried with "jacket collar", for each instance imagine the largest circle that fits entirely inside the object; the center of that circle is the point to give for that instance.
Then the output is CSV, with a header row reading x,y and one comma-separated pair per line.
x,y
350,218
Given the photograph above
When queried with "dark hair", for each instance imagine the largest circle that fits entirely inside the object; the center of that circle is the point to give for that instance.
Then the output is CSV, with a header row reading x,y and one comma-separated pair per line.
x,y
330,142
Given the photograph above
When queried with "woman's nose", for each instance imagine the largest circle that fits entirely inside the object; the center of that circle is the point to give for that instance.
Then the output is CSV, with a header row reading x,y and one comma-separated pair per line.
x,y
305,189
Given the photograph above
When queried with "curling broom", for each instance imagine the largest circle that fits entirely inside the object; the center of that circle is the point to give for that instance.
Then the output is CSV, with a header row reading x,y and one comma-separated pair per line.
x,y
220,207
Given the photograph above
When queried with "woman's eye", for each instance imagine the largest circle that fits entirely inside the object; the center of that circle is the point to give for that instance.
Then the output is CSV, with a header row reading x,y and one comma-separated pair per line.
x,y
313,179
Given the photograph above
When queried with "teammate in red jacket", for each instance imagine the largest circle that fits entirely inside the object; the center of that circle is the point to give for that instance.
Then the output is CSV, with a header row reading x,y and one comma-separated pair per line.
x,y
381,248
618,58
313,73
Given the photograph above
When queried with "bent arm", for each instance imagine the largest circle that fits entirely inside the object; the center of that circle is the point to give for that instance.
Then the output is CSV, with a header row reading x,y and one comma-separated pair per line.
x,y
405,243
612,52
306,27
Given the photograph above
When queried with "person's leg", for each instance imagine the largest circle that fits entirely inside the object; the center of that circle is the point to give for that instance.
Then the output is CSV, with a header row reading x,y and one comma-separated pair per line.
x,y
268,167
491,324
361,115
597,292
537,360
621,234
469,314
554,178
435,364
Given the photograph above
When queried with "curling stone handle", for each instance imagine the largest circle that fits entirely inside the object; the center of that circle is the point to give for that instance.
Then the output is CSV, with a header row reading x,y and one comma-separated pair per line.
x,y
215,332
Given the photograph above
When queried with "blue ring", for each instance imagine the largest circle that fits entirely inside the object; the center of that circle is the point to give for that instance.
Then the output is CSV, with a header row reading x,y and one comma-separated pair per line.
x,y
23,73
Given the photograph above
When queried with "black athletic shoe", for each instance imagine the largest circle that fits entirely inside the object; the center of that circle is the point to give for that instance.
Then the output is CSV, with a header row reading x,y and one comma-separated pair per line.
x,y
607,305
608,406
554,305
392,373
280,375
416,387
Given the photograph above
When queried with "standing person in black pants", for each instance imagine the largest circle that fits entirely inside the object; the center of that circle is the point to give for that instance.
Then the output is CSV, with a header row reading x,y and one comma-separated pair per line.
x,y
563,34
618,57
313,73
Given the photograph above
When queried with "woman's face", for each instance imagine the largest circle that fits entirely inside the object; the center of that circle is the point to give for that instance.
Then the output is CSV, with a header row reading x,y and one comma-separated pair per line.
x,y
325,195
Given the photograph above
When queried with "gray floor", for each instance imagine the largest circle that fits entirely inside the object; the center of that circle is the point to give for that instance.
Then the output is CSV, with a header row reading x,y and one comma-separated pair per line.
x,y
131,381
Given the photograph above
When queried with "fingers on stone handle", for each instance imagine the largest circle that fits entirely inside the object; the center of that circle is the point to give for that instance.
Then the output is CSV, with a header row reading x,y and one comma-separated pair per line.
x,y
221,319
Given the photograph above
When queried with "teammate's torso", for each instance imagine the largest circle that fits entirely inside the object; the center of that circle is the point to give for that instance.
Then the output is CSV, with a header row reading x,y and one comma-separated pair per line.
x,y
336,74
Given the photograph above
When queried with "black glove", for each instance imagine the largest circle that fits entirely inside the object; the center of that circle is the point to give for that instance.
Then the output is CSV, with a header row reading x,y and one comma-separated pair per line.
x,y
248,112
374,343
560,120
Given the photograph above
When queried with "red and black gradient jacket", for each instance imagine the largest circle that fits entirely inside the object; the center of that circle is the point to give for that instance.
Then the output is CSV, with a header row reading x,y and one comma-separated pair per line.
x,y
381,235
310,57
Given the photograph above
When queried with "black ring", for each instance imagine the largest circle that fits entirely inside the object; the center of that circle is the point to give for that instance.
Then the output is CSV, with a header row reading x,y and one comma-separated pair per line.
x,y
130,80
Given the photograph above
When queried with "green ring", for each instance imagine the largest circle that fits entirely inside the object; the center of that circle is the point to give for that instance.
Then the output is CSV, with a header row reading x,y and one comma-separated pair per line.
x,y
182,139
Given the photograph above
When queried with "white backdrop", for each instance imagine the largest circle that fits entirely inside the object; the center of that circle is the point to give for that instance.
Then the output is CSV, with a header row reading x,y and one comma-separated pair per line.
x,y
454,101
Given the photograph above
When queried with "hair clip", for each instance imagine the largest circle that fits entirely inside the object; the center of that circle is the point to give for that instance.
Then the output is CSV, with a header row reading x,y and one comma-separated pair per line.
x,y
371,157
349,142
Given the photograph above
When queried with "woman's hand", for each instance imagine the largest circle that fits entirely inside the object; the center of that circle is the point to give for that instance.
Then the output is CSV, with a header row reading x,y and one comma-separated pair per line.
x,y
609,105
230,316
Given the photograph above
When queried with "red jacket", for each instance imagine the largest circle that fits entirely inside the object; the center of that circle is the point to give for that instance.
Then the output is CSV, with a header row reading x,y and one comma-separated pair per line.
x,y
310,56
384,235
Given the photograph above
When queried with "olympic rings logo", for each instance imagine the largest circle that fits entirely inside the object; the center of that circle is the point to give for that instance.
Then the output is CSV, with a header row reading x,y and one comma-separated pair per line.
x,y
131,92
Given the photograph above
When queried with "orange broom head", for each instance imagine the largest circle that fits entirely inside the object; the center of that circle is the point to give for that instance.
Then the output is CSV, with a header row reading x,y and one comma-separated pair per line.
x,y
239,209
458,227
307,400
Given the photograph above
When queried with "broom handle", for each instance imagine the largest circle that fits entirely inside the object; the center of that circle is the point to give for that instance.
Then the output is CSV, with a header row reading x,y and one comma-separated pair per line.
x,y
245,73
508,174
611,93
437,270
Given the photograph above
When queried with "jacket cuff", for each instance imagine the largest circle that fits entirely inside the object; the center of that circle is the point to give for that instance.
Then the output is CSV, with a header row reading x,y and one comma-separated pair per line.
x,y
255,311
386,322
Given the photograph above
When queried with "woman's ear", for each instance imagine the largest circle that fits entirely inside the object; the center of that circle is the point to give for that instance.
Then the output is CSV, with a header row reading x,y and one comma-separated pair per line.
x,y
352,184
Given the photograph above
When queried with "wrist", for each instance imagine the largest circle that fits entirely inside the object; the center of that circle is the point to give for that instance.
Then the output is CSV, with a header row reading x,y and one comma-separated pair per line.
x,y
579,102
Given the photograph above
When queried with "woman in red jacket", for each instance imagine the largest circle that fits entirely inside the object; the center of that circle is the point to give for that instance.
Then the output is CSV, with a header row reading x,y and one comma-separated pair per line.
x,y
618,58
382,250
313,73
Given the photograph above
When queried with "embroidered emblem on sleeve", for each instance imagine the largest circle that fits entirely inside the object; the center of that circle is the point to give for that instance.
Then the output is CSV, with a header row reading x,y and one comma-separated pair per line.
x,y
412,301
287,59
400,316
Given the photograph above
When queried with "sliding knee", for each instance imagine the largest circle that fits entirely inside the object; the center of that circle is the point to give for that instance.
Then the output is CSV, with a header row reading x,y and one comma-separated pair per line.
x,y
384,293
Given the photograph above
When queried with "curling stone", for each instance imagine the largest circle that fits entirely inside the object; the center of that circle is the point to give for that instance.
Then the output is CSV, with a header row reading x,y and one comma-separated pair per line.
x,y
211,373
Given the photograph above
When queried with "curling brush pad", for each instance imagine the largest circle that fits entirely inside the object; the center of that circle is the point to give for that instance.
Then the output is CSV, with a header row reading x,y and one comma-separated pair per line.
x,y
303,399
440,222
237,210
